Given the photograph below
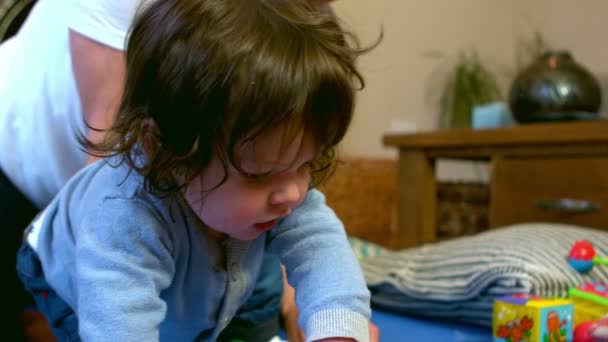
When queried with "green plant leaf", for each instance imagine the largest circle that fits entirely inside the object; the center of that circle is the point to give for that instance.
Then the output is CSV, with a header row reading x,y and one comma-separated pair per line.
x,y
467,85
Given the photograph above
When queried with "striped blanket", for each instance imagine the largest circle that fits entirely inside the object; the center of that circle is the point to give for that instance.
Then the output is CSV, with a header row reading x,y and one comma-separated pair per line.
x,y
458,279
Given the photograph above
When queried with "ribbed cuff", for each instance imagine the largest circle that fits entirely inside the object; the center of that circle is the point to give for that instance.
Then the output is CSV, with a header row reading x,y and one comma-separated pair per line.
x,y
337,323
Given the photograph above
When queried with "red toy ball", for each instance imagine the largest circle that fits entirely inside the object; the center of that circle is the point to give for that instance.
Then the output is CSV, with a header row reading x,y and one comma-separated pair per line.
x,y
582,250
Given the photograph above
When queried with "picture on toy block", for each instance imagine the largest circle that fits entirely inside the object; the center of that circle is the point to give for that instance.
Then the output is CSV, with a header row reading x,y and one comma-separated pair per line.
x,y
516,330
524,318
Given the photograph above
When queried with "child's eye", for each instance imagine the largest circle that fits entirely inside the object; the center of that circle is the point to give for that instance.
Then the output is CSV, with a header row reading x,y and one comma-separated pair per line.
x,y
256,177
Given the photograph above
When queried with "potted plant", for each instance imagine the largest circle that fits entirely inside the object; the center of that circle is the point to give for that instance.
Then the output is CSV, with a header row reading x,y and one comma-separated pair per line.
x,y
468,83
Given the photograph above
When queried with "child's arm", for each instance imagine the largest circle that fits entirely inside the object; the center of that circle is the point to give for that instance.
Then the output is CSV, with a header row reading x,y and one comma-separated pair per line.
x,y
290,316
123,264
331,293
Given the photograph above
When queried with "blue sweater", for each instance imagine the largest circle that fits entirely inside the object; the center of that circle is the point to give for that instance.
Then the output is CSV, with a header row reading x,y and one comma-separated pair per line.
x,y
135,267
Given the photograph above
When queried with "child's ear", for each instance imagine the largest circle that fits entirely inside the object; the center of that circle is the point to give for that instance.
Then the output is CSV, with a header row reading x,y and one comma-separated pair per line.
x,y
149,137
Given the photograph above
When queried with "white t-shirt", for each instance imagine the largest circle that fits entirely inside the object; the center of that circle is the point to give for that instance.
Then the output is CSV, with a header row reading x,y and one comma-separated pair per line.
x,y
40,112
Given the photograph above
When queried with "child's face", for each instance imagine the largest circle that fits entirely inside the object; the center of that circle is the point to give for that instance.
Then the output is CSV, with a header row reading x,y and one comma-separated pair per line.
x,y
247,205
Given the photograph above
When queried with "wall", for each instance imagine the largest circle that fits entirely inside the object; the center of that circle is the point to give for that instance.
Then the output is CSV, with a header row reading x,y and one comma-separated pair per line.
x,y
399,72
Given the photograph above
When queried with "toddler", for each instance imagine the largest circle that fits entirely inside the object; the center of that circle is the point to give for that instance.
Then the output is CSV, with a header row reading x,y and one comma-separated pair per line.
x,y
230,116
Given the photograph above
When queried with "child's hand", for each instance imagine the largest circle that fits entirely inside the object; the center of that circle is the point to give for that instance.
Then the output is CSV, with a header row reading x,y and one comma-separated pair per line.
x,y
289,311
374,333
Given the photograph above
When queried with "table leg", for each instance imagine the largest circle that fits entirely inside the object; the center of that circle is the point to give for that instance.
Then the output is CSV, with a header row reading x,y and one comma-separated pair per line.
x,y
417,200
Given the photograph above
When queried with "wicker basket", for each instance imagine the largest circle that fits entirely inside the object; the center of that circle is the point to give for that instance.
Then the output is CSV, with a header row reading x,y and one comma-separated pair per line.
x,y
363,193
462,208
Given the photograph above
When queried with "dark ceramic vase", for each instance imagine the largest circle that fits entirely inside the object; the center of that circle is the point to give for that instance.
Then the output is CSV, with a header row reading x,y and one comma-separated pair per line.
x,y
555,88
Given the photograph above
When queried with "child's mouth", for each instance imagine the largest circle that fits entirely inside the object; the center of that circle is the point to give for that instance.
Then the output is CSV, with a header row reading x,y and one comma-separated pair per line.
x,y
265,226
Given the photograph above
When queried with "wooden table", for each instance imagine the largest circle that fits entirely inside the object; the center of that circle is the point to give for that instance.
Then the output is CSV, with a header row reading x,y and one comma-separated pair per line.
x,y
569,159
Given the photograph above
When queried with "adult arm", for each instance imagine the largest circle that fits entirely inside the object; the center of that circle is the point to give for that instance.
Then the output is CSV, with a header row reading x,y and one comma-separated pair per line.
x,y
98,31
99,71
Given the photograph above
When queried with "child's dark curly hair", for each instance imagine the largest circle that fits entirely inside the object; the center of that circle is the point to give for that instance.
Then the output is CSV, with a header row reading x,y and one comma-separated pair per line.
x,y
205,76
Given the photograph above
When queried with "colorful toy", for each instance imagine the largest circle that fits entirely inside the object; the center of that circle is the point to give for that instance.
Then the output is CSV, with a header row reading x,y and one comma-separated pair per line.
x,y
592,331
521,318
590,302
582,257
582,332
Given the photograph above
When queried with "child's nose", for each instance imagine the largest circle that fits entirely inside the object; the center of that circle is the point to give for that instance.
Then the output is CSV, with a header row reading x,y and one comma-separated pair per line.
x,y
289,193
